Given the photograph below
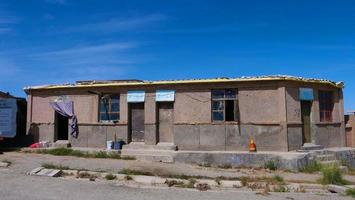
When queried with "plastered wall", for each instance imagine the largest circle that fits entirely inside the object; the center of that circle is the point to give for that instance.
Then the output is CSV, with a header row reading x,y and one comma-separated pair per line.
x,y
269,113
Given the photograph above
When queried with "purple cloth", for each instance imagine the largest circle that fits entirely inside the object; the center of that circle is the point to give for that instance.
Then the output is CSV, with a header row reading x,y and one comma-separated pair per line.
x,y
66,108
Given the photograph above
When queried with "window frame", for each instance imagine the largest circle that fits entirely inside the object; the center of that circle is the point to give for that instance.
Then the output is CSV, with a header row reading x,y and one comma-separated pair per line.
x,y
326,105
109,111
223,100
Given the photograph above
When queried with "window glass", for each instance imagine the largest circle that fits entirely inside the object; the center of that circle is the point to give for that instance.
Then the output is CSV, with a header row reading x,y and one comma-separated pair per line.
x,y
115,99
104,117
224,105
109,108
230,93
217,115
325,106
115,116
217,94
115,107
217,105
103,107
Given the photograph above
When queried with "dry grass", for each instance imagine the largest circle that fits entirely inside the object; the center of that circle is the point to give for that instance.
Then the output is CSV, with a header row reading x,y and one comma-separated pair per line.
x,y
82,154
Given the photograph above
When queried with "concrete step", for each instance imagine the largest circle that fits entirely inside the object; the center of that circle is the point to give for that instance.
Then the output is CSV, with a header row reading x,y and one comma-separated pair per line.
x,y
330,162
166,156
325,157
310,146
142,146
146,152
62,143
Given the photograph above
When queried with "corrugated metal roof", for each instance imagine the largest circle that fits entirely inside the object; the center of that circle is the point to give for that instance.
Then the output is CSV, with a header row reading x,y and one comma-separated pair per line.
x,y
88,84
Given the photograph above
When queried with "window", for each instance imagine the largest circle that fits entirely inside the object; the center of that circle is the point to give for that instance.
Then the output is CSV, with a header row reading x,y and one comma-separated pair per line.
x,y
109,107
325,106
224,105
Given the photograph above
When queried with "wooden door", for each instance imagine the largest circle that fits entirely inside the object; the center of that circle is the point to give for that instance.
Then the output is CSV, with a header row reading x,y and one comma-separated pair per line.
x,y
136,122
306,120
166,125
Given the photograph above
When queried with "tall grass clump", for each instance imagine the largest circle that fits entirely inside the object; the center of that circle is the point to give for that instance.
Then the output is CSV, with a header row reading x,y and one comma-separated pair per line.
x,y
312,167
332,175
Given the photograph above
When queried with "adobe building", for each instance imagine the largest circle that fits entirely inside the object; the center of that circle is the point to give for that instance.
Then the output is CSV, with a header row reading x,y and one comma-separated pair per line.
x,y
280,113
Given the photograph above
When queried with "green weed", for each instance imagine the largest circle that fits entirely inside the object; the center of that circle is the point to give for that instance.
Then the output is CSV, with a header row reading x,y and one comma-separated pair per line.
x,y
312,167
270,165
110,177
332,175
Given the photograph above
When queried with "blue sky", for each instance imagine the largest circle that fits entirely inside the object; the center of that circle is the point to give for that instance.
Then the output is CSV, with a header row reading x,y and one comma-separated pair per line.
x,y
61,41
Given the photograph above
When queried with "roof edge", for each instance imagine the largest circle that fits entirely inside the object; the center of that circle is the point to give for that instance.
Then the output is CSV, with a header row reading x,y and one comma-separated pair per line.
x,y
89,84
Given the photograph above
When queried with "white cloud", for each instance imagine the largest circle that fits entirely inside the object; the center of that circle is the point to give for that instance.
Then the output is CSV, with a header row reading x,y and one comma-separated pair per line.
x,y
93,49
38,65
118,25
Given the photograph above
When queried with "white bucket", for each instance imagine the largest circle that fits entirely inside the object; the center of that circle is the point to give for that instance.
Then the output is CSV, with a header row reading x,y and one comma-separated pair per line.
x,y
109,145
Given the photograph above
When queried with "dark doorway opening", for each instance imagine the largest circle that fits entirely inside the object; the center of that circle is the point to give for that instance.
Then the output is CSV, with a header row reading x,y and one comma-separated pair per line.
x,y
306,120
61,126
136,122
230,110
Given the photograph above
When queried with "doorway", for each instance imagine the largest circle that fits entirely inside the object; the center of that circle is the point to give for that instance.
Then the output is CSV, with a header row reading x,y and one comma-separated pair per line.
x,y
306,121
136,122
61,127
165,121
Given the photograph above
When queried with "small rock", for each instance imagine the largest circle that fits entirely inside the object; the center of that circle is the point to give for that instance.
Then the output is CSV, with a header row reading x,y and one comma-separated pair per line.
x,y
337,189
203,186
4,164
231,184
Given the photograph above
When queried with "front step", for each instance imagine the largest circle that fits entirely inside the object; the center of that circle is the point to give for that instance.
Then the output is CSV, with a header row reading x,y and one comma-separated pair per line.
x,y
62,144
142,146
162,152
310,146
166,156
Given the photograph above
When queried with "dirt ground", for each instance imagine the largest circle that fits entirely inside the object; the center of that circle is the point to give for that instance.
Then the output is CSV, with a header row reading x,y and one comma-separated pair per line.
x,y
23,162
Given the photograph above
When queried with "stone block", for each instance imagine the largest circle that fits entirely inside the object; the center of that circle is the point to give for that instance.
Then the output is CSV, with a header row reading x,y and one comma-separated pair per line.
x,y
212,137
82,139
294,137
337,189
120,131
234,140
186,137
97,137
46,132
231,184
4,164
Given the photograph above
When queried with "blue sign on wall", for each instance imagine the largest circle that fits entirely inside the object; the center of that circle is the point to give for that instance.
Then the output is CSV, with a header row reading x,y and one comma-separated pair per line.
x,y
306,94
8,111
135,96
164,95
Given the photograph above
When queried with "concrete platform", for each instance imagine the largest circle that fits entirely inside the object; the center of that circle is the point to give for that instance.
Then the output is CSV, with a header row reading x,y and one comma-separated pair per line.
x,y
283,160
